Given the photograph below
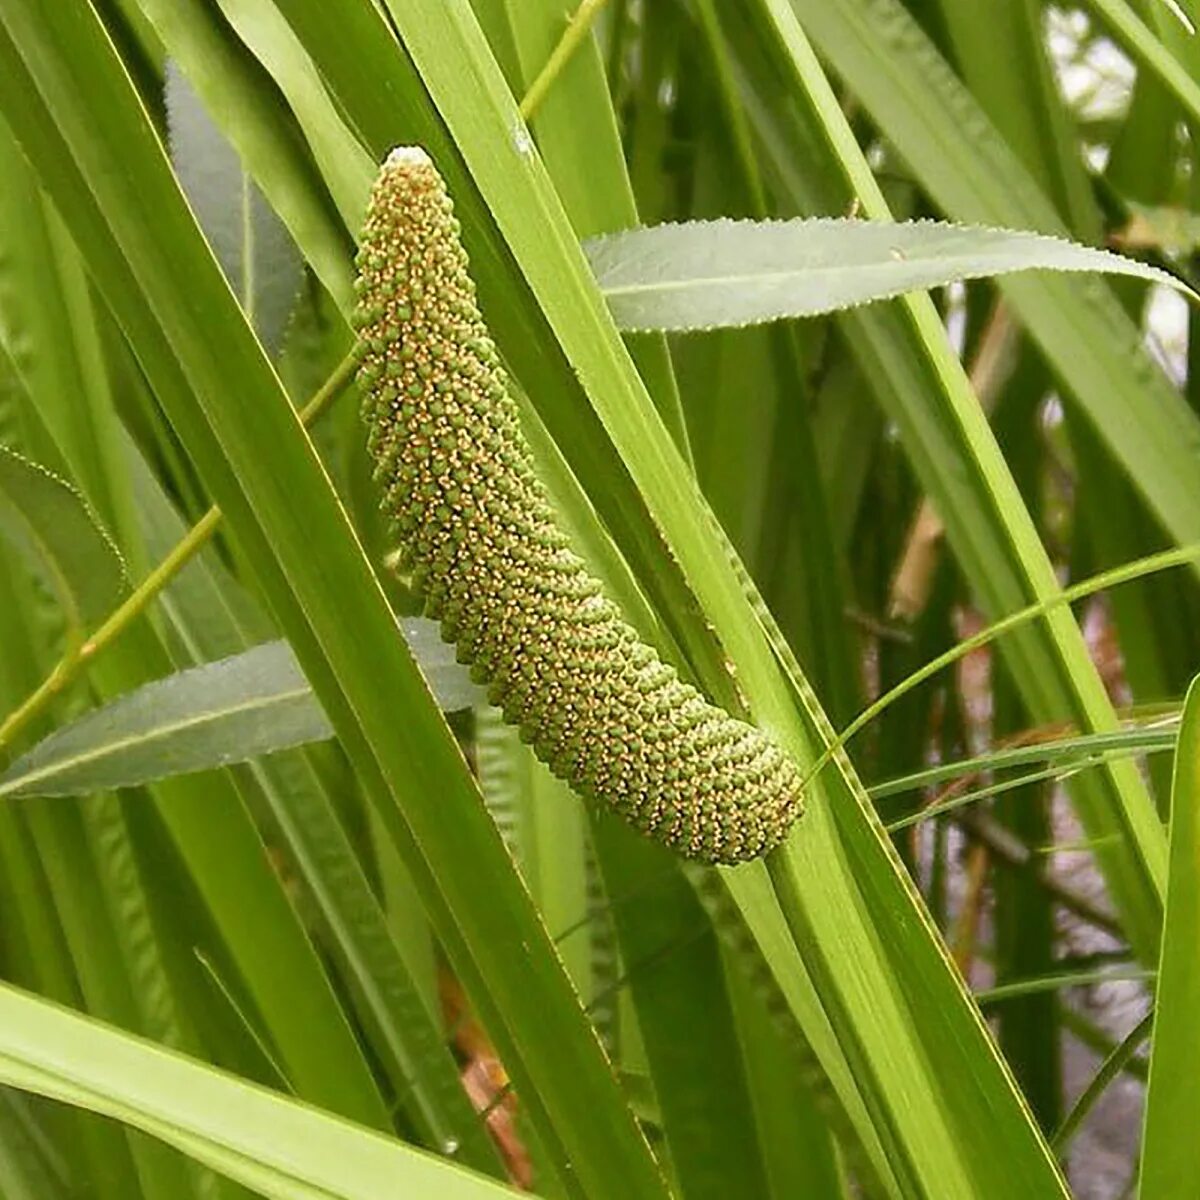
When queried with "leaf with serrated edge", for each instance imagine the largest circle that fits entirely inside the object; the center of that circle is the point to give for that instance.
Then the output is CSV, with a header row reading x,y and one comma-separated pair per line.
x,y
209,716
714,274
52,523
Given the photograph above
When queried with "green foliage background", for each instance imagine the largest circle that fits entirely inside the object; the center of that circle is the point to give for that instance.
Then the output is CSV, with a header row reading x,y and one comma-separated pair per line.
x,y
466,980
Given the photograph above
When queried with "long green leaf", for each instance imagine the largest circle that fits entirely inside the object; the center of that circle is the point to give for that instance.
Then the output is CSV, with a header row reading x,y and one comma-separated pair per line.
x,y
210,716
710,274
1170,1151
274,1145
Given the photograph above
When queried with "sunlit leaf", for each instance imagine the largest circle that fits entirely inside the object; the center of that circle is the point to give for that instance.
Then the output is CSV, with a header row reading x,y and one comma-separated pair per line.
x,y
272,1144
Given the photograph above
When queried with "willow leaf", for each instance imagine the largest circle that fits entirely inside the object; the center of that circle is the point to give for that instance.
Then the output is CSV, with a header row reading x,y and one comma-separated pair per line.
x,y
52,523
210,716
710,274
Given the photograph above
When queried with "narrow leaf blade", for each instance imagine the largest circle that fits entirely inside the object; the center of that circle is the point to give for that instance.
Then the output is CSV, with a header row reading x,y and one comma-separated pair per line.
x,y
1170,1152
712,274
209,716
274,1145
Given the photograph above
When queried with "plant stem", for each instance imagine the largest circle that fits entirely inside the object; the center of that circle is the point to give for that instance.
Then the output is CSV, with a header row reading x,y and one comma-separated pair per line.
x,y
77,659
574,34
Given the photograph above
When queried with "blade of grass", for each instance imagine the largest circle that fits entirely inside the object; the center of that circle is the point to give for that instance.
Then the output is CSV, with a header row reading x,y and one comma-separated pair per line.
x,y
1170,1157
1088,587
276,1146
1114,1063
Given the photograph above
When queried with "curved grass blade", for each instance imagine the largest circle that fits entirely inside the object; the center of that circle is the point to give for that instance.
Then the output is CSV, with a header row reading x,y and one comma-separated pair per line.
x,y
1056,773
1116,1061
1152,738
716,274
278,1147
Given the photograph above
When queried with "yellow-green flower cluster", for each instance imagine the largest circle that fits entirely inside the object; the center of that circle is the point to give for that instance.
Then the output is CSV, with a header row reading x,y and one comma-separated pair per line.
x,y
478,532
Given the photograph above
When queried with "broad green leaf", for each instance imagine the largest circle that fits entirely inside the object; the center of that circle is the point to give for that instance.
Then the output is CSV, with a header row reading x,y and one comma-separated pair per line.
x,y
251,244
272,1144
1171,1151
710,274
51,522
209,716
